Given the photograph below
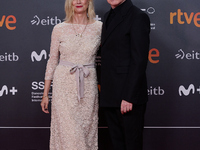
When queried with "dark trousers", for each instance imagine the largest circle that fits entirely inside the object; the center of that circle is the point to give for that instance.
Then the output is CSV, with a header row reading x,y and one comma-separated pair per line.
x,y
126,130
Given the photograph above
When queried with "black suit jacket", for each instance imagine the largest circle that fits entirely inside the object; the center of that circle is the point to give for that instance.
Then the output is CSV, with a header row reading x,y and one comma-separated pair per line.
x,y
124,57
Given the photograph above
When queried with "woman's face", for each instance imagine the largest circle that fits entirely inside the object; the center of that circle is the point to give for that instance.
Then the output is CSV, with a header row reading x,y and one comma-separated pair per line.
x,y
80,6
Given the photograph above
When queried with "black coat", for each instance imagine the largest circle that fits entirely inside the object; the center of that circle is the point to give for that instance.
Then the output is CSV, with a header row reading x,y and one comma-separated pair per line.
x,y
124,57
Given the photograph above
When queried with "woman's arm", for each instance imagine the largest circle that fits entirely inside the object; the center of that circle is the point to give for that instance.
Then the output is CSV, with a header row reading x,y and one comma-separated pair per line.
x,y
51,66
45,98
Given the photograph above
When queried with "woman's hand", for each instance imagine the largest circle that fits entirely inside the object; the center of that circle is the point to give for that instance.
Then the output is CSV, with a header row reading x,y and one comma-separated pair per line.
x,y
44,104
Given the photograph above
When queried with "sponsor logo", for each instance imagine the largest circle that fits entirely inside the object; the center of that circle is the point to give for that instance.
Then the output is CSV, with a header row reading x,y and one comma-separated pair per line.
x,y
5,90
97,18
193,55
149,10
38,85
153,26
38,57
184,17
9,57
187,91
99,87
98,60
157,91
45,21
9,22
154,55
37,93
50,20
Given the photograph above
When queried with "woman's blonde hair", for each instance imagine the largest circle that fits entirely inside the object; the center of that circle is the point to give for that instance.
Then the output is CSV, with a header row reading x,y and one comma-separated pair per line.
x,y
70,12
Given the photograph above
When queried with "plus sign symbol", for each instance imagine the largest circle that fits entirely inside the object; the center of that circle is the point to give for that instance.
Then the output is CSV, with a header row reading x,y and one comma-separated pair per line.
x,y
97,18
198,89
13,90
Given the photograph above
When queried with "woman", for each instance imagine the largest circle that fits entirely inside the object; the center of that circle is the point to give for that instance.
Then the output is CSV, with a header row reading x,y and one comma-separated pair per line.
x,y
74,43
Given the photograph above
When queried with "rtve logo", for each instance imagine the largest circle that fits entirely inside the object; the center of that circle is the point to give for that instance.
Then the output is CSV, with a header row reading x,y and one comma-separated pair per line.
x,y
38,57
189,56
8,21
154,55
5,90
188,17
187,91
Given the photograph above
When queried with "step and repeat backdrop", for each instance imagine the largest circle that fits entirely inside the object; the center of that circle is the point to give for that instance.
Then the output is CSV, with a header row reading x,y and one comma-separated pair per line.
x,y
172,119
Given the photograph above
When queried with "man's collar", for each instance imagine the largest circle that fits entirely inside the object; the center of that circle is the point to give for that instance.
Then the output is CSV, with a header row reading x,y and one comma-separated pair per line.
x,y
123,8
118,8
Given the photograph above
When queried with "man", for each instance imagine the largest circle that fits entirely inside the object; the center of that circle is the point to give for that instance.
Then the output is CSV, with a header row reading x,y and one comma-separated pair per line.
x,y
124,56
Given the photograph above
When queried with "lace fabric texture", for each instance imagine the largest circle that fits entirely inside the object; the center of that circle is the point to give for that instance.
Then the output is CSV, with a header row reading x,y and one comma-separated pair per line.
x,y
74,124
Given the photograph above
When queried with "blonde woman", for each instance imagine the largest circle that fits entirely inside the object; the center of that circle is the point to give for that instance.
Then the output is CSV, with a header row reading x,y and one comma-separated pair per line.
x,y
71,66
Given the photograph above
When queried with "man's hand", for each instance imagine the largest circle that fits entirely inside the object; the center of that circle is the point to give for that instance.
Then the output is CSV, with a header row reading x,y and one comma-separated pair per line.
x,y
126,107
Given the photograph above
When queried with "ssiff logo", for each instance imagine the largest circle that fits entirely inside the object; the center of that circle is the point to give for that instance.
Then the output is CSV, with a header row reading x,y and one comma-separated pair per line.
x,y
36,95
9,22
187,91
38,57
189,56
38,85
5,90
187,17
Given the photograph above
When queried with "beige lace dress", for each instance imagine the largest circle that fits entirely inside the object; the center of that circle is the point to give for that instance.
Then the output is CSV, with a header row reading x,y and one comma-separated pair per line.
x,y
74,118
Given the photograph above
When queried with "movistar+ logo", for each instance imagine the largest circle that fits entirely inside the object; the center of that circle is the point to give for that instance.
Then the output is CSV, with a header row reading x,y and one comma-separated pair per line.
x,y
38,57
186,91
5,90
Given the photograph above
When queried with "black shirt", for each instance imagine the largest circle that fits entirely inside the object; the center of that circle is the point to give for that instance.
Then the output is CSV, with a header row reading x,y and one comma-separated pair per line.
x,y
113,12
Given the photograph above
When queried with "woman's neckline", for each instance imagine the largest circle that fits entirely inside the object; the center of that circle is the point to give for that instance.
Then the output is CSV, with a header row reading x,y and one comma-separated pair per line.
x,y
80,24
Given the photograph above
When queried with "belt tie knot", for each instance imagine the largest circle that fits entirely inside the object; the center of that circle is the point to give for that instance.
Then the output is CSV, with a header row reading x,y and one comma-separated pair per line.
x,y
81,72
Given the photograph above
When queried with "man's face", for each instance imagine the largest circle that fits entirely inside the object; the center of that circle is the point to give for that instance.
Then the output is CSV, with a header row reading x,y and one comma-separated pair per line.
x,y
115,3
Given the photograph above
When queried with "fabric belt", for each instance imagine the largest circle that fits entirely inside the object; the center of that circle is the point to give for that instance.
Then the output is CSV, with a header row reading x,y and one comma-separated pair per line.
x,y
81,71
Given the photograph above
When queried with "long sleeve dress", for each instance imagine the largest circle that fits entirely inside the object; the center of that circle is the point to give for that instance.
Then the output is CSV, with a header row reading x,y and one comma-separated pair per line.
x,y
74,117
